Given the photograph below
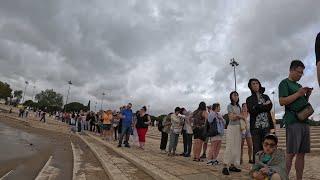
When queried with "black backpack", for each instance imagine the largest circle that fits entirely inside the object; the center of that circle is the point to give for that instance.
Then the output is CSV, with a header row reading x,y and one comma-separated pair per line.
x,y
212,128
160,125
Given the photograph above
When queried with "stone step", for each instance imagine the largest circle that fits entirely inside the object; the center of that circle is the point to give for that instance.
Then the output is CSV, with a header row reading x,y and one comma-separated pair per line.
x,y
311,137
143,165
312,132
280,138
282,143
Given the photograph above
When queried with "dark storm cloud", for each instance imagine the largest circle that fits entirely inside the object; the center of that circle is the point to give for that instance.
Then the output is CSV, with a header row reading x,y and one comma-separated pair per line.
x,y
157,53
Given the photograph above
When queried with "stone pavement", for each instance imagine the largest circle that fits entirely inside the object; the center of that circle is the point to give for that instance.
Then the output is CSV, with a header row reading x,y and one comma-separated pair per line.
x,y
312,160
185,168
151,159
173,167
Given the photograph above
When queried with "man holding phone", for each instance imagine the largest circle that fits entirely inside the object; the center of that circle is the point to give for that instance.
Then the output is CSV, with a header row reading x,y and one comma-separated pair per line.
x,y
317,51
295,98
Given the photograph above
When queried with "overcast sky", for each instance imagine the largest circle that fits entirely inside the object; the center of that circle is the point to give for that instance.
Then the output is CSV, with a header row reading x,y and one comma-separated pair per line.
x,y
158,53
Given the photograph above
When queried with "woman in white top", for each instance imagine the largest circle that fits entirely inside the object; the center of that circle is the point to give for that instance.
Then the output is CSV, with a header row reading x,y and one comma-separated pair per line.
x,y
247,135
232,153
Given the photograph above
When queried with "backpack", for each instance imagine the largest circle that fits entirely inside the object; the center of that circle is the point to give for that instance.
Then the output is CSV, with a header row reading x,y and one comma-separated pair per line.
x,y
160,125
166,120
212,128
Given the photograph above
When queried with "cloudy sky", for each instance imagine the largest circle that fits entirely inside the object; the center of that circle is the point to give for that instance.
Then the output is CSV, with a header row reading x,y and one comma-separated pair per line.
x,y
158,53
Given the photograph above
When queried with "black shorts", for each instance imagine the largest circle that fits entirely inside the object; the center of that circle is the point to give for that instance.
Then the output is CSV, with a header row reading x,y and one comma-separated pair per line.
x,y
198,133
106,127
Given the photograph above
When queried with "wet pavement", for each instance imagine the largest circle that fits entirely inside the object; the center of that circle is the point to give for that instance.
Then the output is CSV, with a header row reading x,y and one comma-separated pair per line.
x,y
28,152
15,143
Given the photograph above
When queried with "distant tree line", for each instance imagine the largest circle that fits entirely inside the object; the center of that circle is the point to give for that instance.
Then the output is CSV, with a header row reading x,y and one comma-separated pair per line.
x,y
48,100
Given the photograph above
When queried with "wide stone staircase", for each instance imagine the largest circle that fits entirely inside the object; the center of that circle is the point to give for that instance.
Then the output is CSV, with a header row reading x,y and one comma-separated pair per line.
x,y
153,133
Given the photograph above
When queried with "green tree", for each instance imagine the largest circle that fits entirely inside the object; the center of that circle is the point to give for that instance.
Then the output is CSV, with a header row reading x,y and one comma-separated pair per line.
x,y
49,99
75,107
29,103
18,94
5,90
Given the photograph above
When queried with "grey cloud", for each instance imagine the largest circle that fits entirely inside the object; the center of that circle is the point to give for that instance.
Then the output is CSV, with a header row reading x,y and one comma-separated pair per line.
x,y
157,53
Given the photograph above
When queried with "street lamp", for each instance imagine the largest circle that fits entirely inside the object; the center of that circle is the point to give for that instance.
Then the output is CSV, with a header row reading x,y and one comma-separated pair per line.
x,y
103,94
25,89
274,104
234,64
69,83
34,89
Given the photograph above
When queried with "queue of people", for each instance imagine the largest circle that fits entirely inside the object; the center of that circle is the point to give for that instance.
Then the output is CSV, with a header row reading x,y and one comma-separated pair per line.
x,y
251,123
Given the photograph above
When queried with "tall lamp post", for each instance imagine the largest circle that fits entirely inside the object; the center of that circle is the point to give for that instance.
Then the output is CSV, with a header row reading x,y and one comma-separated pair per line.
x,y
69,83
234,64
103,94
274,104
34,89
25,89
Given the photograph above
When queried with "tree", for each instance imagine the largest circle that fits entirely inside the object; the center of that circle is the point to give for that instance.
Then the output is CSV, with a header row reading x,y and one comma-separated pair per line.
x,y
17,97
29,103
49,99
75,107
5,90
18,94
88,106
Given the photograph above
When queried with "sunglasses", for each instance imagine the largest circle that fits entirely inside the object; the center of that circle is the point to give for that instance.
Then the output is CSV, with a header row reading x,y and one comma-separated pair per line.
x,y
271,145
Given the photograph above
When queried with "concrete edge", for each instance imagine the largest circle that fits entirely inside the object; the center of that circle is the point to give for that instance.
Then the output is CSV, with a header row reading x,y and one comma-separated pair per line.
x,y
6,175
150,169
74,161
40,174
106,168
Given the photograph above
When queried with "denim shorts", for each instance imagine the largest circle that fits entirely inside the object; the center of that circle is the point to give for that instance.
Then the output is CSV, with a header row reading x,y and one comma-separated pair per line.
x,y
246,135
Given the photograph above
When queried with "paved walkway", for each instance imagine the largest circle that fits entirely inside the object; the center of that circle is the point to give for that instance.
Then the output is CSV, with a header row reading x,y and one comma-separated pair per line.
x,y
151,164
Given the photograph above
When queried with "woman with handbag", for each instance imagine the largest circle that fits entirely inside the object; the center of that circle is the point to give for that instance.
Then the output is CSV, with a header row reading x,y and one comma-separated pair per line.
x,y
166,123
199,117
217,131
176,127
232,153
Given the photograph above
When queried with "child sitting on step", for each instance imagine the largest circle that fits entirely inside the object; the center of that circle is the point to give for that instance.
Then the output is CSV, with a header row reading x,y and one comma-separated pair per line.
x,y
270,163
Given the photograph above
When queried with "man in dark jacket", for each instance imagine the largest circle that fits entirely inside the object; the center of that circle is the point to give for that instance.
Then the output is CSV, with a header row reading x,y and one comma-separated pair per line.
x,y
259,107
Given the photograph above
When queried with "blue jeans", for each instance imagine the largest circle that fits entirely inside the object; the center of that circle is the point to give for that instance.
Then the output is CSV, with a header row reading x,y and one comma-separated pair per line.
x,y
174,138
125,130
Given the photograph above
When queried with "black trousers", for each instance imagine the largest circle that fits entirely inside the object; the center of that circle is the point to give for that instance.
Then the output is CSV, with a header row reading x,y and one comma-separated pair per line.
x,y
115,129
43,118
257,140
98,129
92,127
187,143
164,141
